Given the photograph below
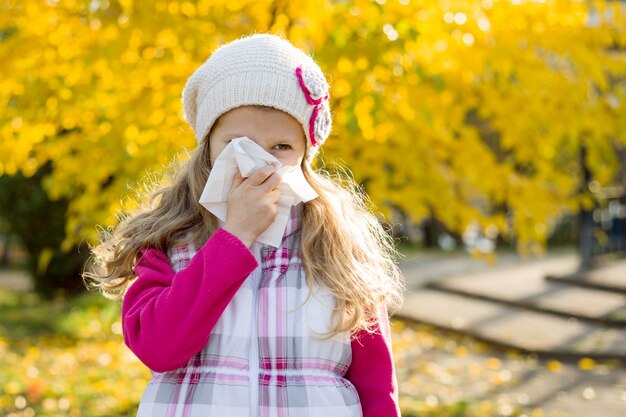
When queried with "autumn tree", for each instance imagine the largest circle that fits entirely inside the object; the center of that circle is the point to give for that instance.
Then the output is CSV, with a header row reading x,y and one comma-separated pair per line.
x,y
466,110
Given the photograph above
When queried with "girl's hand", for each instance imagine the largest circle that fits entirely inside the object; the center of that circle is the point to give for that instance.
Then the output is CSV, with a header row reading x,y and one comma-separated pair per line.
x,y
253,203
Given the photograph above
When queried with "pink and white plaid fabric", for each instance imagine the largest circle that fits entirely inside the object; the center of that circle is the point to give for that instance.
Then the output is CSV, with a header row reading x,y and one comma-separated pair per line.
x,y
263,358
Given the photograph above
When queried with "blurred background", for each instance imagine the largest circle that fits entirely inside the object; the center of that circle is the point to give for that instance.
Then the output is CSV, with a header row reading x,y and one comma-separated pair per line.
x,y
490,136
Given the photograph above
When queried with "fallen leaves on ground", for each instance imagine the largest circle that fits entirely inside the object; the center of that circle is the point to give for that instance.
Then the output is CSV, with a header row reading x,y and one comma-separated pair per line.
x,y
67,357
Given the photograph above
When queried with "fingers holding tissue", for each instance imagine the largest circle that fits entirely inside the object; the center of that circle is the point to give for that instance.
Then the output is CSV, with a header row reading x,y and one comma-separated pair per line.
x,y
237,180
266,177
257,177
283,183
252,203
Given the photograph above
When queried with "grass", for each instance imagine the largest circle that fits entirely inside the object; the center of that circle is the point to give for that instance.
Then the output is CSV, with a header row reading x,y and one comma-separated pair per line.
x,y
66,357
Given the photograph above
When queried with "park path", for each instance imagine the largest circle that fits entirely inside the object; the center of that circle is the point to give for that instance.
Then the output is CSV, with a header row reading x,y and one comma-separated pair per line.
x,y
14,280
557,318
510,304
538,305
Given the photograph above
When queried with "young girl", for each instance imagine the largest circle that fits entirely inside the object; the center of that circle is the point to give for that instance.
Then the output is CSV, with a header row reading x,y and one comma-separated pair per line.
x,y
232,327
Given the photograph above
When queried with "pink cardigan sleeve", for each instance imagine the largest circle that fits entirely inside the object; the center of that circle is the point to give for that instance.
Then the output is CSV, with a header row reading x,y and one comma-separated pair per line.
x,y
372,370
167,317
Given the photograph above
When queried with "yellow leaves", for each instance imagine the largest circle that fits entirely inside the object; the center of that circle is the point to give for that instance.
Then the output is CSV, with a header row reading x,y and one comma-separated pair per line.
x,y
406,111
280,23
65,51
52,104
429,368
36,133
70,374
131,132
60,36
65,94
363,115
366,125
345,66
554,366
127,5
364,106
188,9
110,33
341,88
461,352
500,377
362,63
68,122
493,363
586,364
167,38
12,387
120,87
381,73
150,53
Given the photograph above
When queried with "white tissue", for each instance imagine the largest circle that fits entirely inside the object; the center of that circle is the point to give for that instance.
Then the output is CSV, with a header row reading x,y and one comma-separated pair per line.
x,y
245,155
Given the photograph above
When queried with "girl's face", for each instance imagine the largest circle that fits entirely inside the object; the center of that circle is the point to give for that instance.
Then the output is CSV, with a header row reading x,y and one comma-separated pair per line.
x,y
277,132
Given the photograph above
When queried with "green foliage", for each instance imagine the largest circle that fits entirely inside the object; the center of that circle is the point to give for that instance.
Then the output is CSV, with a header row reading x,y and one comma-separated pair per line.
x,y
39,223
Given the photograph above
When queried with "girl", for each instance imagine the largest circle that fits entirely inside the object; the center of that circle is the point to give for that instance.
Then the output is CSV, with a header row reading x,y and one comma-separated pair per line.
x,y
232,327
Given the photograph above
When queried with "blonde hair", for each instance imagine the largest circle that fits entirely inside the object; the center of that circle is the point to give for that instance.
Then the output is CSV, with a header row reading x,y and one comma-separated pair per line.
x,y
343,245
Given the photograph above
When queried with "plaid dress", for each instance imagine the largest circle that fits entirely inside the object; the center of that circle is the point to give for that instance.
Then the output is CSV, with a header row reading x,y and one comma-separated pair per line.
x,y
263,357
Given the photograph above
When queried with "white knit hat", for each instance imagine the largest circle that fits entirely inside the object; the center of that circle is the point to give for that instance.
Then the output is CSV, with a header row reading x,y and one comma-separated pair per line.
x,y
261,69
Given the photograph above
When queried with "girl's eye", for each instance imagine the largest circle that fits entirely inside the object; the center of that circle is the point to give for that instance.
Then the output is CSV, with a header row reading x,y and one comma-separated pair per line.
x,y
283,147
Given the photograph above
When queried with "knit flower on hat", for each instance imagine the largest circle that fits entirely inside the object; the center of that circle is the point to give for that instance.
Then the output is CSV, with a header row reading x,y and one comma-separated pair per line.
x,y
315,90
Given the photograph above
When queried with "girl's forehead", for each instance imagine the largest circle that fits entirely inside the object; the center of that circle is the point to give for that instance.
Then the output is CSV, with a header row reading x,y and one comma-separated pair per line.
x,y
247,121
254,111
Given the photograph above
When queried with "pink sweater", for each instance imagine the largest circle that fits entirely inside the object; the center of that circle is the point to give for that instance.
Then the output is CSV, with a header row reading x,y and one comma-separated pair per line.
x,y
177,311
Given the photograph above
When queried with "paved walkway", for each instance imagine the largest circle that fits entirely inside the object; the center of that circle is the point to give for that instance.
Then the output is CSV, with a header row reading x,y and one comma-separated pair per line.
x,y
511,304
441,367
13,280
422,268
